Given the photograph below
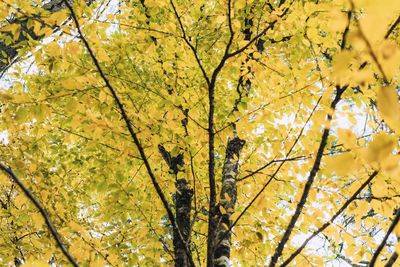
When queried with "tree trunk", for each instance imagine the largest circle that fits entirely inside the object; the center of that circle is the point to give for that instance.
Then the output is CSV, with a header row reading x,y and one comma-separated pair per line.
x,y
183,205
183,201
227,203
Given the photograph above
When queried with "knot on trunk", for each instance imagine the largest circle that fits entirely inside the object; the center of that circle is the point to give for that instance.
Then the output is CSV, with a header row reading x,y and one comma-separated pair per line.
x,y
175,164
234,147
184,193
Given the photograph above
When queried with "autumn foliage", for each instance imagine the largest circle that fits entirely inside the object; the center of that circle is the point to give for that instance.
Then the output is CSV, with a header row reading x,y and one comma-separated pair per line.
x,y
199,133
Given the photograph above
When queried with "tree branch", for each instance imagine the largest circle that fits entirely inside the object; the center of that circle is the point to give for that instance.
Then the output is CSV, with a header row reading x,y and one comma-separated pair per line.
x,y
42,211
326,225
276,171
269,164
346,30
310,180
382,244
128,123
391,29
370,49
240,50
185,38
392,259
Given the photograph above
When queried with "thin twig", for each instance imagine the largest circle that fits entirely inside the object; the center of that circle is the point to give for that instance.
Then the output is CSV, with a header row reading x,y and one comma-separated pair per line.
x,y
391,29
185,38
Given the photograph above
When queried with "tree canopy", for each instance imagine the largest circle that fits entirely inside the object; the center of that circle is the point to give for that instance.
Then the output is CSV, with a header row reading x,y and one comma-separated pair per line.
x,y
199,133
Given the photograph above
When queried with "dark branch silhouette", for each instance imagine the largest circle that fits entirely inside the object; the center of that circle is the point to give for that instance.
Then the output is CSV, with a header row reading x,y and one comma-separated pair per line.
x,y
326,225
42,211
310,180
128,123
383,243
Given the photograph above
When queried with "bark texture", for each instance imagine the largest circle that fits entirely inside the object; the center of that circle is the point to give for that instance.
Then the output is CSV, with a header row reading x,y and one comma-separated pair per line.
x,y
183,205
183,202
228,196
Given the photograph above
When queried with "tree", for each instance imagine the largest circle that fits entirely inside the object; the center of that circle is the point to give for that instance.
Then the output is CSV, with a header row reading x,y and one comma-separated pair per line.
x,y
206,133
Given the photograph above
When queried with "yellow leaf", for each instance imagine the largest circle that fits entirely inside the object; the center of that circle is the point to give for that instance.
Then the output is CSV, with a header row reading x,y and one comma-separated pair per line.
x,y
397,230
397,247
227,197
240,4
113,258
20,200
391,166
347,137
69,83
171,27
102,96
220,19
98,132
388,49
59,207
222,209
341,63
377,17
76,227
151,3
379,187
98,263
102,55
53,49
380,148
341,164
32,167
14,29
389,56
58,17
389,107
37,220
71,105
4,97
337,20
35,263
